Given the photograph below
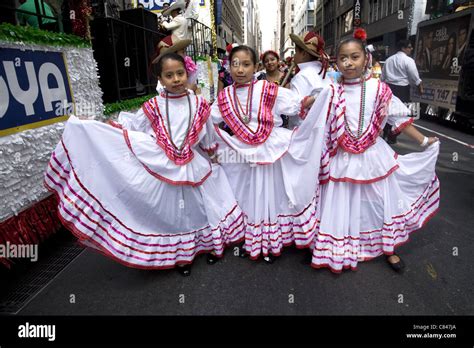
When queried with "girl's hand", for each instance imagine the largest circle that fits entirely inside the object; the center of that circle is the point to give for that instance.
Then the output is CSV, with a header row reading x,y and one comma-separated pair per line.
x,y
427,141
308,102
432,140
213,158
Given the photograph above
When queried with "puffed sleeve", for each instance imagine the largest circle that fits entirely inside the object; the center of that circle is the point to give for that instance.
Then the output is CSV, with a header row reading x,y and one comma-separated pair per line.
x,y
288,103
216,116
134,121
208,141
398,115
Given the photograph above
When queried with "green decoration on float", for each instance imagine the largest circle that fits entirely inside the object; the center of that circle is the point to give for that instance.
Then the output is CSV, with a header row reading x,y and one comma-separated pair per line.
x,y
15,33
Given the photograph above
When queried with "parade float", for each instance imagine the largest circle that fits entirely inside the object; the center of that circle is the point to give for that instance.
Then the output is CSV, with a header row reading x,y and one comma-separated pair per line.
x,y
44,78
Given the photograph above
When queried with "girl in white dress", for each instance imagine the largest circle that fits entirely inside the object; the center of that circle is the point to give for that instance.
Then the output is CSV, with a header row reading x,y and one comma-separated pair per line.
x,y
371,198
144,192
268,167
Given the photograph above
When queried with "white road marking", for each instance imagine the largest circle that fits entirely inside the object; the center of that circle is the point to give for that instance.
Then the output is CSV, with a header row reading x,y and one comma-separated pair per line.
x,y
444,135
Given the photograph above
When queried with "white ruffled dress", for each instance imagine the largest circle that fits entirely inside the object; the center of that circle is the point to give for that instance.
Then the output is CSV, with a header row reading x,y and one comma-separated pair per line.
x,y
273,171
371,198
127,191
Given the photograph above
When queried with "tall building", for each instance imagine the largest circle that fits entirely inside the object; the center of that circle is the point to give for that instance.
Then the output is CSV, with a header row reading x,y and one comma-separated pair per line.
x,y
276,31
287,18
304,16
250,23
230,24
386,21
258,31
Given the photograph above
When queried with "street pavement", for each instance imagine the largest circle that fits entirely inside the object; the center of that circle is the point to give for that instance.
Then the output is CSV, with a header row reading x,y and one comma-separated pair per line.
x,y
439,270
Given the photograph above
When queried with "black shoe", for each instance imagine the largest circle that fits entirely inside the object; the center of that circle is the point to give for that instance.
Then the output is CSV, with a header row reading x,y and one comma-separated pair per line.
x,y
308,258
269,259
396,266
242,252
184,270
212,258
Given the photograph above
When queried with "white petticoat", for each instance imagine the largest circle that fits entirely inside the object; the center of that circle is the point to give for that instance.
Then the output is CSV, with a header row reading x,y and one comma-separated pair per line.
x,y
138,207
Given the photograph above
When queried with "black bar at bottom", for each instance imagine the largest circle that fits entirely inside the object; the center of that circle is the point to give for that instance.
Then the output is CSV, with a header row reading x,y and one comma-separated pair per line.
x,y
419,330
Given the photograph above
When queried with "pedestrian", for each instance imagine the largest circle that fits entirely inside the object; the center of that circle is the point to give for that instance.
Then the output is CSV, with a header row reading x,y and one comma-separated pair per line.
x,y
400,72
312,62
271,63
144,192
371,197
266,164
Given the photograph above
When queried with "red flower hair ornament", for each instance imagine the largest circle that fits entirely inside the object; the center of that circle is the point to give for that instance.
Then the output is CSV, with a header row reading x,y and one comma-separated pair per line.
x,y
360,34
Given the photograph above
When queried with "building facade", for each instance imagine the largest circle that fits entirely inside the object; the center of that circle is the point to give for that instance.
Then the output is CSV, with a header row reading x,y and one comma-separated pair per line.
x,y
251,24
287,48
386,21
304,16
230,28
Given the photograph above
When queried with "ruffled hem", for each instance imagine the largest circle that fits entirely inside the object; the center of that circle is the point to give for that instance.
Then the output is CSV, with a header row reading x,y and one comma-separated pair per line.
x,y
299,229
344,253
94,225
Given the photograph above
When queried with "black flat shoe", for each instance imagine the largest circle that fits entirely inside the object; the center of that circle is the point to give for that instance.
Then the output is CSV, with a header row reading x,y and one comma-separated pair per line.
x,y
269,259
212,259
185,270
396,266
307,259
243,253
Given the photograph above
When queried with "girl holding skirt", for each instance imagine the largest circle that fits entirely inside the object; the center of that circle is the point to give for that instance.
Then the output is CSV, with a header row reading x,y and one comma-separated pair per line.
x,y
143,190
371,198
271,170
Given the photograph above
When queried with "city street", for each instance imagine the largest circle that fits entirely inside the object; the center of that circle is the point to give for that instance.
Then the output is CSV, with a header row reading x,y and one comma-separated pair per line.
x,y
115,115
439,270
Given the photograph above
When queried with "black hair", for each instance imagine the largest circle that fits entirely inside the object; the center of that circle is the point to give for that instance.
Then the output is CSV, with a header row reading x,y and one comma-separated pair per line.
x,y
403,44
244,48
352,39
265,54
167,56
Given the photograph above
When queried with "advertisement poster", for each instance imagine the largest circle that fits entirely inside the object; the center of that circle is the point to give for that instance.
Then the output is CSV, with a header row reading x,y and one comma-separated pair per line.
x,y
439,55
440,48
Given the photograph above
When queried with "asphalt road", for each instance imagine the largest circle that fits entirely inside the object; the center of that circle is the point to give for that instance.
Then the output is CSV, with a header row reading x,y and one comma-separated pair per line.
x,y
439,270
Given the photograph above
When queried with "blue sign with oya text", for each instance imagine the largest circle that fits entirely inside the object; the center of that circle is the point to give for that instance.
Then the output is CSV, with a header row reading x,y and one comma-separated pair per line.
x,y
34,89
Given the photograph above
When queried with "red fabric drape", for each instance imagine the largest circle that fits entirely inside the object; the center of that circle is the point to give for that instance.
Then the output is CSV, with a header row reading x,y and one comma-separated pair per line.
x,y
31,226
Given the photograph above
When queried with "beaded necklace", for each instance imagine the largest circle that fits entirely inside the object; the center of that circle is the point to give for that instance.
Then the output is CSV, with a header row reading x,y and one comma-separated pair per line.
x,y
179,149
360,127
247,115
